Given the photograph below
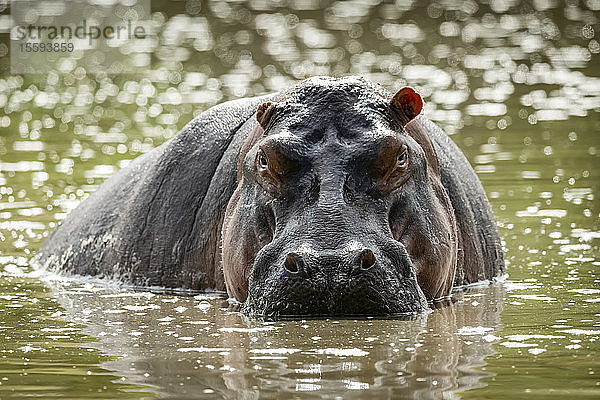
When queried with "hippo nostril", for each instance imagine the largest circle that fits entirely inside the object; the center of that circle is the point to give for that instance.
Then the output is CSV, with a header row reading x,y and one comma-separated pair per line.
x,y
291,263
368,259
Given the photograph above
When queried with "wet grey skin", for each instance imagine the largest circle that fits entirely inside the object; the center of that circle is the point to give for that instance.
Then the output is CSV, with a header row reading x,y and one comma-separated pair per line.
x,y
333,198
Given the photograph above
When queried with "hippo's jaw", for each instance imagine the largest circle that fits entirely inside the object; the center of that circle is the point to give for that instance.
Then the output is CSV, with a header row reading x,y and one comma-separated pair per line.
x,y
396,298
328,286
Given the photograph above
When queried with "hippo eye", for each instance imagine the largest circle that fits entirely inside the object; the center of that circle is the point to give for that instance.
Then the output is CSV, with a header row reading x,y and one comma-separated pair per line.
x,y
262,161
402,158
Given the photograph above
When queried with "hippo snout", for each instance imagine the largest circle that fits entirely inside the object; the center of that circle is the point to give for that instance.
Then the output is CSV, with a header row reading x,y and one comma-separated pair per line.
x,y
352,280
309,266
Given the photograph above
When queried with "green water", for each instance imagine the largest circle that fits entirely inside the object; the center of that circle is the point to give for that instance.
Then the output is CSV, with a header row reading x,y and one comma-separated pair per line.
x,y
516,84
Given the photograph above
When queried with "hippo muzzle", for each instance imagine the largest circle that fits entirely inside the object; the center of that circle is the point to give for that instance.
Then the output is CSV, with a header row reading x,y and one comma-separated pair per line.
x,y
358,278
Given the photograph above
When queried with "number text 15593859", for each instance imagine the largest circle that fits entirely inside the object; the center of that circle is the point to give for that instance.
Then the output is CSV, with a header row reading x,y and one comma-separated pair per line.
x,y
54,47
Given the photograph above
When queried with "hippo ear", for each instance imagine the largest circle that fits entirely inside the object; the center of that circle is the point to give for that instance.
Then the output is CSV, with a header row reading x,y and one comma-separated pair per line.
x,y
264,113
406,105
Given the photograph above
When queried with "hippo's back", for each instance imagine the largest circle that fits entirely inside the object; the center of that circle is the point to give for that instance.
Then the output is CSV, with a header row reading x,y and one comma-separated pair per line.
x,y
157,222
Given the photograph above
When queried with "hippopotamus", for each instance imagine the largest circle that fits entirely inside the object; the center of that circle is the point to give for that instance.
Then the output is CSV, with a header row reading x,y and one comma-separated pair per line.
x,y
332,198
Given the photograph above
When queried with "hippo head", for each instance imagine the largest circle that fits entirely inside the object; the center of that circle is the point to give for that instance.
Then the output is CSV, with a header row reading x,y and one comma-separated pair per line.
x,y
339,210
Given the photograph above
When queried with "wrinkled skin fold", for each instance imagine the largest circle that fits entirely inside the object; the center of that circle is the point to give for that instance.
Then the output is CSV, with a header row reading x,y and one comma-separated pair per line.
x,y
334,198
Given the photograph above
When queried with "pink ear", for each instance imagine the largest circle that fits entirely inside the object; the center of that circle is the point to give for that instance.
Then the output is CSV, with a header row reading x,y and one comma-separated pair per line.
x,y
407,104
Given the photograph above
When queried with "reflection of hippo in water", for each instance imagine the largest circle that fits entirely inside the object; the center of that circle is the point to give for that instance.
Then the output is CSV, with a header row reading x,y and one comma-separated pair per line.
x,y
179,354
333,203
